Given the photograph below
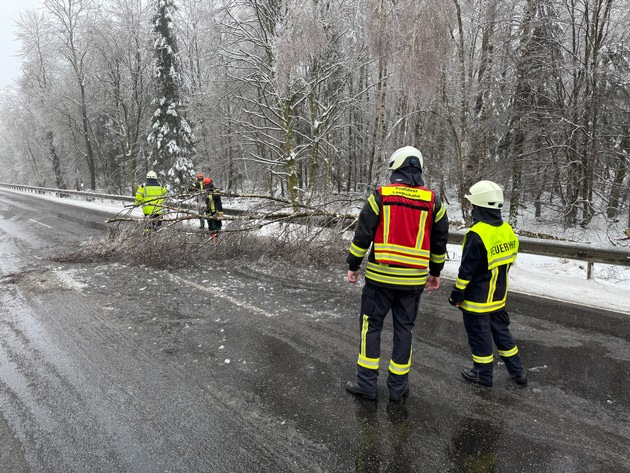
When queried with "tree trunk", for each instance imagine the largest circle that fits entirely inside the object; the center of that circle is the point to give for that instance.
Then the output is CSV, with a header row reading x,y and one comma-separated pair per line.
x,y
517,112
464,179
379,118
482,105
315,138
620,173
599,20
54,157
293,180
89,151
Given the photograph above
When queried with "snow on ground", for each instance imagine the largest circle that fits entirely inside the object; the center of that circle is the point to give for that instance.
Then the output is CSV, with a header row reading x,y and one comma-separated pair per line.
x,y
560,278
553,278
563,280
105,205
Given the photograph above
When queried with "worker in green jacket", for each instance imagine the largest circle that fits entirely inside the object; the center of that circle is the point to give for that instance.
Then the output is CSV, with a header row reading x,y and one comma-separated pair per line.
x,y
151,196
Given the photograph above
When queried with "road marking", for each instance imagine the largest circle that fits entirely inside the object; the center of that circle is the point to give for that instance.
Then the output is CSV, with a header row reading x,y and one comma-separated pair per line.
x,y
42,224
216,293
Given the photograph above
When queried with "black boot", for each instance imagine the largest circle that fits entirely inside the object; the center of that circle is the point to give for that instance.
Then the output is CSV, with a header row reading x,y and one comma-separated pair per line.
x,y
521,379
472,375
399,397
354,388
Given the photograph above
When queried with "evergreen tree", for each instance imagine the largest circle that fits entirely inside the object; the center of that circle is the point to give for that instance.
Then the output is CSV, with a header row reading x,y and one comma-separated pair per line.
x,y
170,137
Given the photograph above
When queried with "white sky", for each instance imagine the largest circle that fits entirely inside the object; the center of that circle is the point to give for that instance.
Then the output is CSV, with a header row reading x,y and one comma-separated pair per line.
x,y
9,12
552,278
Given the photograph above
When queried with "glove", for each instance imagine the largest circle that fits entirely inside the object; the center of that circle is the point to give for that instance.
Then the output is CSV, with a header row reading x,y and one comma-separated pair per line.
x,y
457,297
220,214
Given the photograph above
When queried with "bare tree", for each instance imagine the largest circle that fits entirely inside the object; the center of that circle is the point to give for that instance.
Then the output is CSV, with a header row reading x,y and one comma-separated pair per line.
x,y
36,54
71,17
521,92
124,81
305,97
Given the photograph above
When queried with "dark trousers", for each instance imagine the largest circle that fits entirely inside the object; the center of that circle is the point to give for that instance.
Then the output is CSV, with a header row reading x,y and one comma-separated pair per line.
x,y
201,210
214,225
482,330
376,302
152,222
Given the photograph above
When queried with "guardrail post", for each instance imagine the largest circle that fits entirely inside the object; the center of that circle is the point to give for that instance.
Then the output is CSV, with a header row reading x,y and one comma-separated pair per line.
x,y
589,269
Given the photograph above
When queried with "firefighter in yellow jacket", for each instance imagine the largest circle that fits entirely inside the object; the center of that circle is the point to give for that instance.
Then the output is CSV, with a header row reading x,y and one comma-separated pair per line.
x,y
151,196
214,207
490,247
406,225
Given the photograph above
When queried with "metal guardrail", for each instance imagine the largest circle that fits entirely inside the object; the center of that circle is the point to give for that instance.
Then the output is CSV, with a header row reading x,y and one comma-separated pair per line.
x,y
552,248
66,193
558,249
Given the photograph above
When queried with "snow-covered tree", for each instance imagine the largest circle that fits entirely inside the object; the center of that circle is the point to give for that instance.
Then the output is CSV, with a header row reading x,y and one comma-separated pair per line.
x,y
72,20
125,94
170,136
37,49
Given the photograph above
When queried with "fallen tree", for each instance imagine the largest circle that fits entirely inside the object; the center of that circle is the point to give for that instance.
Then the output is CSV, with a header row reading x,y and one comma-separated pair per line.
x,y
263,228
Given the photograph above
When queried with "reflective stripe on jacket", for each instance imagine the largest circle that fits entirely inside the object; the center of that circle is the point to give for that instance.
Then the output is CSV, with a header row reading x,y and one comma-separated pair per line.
x,y
151,197
408,227
197,187
402,237
213,201
501,243
488,253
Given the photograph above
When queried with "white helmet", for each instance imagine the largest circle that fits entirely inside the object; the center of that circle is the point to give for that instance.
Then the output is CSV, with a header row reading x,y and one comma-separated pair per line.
x,y
151,175
407,156
486,194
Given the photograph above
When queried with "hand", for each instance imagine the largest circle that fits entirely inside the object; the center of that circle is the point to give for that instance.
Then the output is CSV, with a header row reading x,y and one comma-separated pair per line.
x,y
433,283
456,298
220,214
353,277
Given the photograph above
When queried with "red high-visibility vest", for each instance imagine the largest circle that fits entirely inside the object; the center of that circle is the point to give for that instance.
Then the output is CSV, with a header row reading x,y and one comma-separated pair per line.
x,y
403,236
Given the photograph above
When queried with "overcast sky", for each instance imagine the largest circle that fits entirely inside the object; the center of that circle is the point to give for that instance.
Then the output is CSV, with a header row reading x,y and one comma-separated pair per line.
x,y
9,12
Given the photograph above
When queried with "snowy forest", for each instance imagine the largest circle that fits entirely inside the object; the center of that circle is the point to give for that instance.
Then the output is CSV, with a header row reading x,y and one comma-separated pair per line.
x,y
308,98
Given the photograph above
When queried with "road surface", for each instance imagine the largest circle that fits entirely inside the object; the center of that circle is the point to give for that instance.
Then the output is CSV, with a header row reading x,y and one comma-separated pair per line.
x,y
120,368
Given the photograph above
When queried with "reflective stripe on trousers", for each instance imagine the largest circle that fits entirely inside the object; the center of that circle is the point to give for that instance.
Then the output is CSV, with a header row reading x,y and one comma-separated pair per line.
x,y
376,302
482,331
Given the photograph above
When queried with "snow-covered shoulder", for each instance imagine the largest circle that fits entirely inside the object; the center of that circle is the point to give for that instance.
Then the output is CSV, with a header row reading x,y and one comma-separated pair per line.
x,y
562,279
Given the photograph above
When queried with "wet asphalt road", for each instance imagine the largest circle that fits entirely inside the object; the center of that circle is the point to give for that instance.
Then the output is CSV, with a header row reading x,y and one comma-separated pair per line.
x,y
116,368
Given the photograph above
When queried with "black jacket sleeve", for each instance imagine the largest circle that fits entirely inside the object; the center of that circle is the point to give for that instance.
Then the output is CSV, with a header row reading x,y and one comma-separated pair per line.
x,y
439,238
473,254
218,202
366,229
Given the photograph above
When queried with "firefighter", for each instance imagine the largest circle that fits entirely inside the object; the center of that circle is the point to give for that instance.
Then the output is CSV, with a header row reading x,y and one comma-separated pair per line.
x,y
489,249
197,187
151,196
214,207
407,227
